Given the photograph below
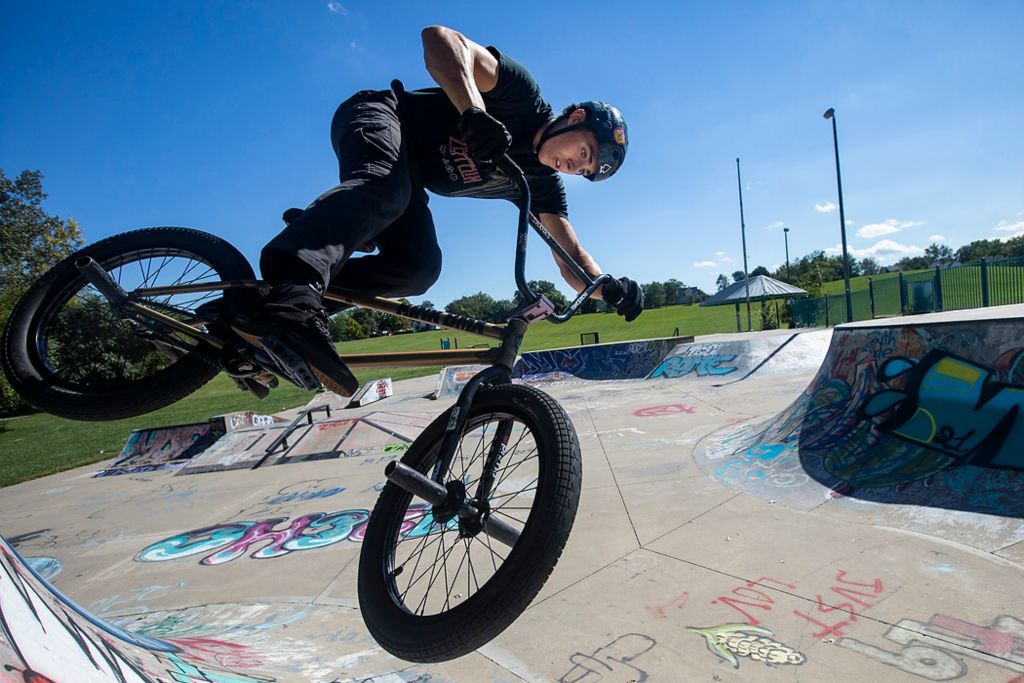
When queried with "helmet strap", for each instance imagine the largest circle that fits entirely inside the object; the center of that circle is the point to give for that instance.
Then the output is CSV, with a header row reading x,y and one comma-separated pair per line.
x,y
549,133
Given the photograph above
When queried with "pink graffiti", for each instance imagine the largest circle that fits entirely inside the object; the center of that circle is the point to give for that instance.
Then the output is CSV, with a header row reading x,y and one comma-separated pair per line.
x,y
657,411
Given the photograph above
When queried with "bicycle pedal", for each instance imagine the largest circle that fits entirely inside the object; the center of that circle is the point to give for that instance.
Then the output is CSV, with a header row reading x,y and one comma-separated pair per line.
x,y
294,368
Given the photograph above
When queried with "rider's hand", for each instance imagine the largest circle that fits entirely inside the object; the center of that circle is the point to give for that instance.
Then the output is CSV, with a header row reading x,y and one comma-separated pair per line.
x,y
625,296
486,136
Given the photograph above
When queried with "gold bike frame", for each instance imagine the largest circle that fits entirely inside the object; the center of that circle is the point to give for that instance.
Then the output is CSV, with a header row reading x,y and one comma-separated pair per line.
x,y
362,360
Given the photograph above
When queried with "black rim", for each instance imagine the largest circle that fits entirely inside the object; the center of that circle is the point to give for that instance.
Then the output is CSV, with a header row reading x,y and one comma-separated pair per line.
x,y
80,341
432,568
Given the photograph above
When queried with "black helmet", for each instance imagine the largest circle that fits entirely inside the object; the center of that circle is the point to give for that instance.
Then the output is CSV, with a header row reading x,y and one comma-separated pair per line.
x,y
609,129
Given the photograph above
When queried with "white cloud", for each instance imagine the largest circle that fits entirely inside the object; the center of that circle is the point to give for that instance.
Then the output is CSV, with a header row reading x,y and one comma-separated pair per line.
x,y
872,230
827,207
719,253
884,251
336,8
776,225
937,238
726,259
704,264
1007,226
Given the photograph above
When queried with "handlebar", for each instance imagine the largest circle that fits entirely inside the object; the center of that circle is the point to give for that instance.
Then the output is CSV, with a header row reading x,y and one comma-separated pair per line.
x,y
526,220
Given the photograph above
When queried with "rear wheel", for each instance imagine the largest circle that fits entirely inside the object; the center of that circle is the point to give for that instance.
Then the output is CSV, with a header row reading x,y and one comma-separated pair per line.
x,y
431,591
68,352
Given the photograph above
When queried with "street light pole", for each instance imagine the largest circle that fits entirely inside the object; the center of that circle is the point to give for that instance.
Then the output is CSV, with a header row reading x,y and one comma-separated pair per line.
x,y
785,234
831,114
743,233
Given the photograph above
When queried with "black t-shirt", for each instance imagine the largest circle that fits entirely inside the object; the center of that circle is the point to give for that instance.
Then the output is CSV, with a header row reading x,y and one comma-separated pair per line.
x,y
444,162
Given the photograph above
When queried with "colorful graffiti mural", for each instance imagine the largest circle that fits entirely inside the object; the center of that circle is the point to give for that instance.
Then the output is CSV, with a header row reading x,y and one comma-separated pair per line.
x,y
44,638
226,542
149,450
626,360
926,415
702,360
953,406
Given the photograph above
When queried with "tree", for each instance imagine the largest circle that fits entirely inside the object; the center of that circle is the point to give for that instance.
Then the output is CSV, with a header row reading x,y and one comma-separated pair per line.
x,y
390,324
913,263
738,276
547,289
979,249
869,266
654,295
672,288
31,242
722,282
480,306
760,270
368,319
939,254
344,327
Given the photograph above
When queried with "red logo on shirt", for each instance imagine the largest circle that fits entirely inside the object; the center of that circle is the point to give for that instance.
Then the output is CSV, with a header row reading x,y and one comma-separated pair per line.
x,y
462,161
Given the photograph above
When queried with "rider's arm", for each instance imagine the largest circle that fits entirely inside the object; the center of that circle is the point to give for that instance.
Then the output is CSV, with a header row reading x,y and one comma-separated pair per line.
x,y
462,68
562,231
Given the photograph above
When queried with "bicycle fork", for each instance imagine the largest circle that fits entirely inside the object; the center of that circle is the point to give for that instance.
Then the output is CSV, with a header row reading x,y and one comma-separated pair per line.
x,y
449,499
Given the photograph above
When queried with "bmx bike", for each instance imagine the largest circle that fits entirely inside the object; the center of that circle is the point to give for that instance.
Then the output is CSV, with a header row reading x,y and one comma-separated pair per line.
x,y
139,320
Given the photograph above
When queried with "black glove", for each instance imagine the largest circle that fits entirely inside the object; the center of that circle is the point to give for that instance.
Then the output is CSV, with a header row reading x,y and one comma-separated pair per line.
x,y
486,136
625,296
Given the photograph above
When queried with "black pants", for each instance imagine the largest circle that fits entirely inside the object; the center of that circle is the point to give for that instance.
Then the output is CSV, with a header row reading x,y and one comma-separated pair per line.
x,y
379,199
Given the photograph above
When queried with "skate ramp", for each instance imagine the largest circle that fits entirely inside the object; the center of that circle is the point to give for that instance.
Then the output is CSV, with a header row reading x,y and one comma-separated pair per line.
x,y
45,637
922,413
735,357
616,360
159,448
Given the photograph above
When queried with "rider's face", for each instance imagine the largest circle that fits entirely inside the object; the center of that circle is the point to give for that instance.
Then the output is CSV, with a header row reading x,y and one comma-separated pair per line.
x,y
573,153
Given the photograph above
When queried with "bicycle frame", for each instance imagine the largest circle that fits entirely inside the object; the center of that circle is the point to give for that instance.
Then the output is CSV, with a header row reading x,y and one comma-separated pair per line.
x,y
500,358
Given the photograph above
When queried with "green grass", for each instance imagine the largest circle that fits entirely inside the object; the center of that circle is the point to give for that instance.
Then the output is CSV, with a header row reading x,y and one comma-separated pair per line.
x,y
860,284
37,445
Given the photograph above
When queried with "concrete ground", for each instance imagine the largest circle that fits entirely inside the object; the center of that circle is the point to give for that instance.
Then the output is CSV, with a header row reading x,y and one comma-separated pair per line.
x,y
668,575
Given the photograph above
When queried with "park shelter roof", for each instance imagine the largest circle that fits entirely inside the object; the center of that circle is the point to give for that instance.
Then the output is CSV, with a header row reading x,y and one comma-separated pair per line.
x,y
761,287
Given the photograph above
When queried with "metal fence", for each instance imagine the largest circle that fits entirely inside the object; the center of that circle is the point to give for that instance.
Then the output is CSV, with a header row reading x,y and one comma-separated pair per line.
x,y
987,283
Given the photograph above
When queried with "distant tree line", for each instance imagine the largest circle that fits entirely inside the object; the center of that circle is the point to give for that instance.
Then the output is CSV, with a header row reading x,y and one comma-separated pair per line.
x,y
812,271
361,323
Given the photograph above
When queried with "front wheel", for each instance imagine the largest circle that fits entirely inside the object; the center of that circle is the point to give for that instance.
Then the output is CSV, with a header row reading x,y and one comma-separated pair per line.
x,y
68,352
431,591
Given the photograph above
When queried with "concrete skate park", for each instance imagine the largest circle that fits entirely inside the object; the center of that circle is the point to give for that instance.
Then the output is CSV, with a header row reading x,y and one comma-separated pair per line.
x,y
790,505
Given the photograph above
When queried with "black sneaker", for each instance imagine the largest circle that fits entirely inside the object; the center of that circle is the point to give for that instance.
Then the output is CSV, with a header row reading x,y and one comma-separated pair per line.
x,y
298,340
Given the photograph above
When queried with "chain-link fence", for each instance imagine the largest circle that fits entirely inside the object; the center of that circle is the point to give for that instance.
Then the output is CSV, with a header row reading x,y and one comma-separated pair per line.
x,y
988,283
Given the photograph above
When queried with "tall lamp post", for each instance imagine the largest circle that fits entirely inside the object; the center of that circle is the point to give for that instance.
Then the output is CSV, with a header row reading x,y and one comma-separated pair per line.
x,y
785,234
743,233
831,114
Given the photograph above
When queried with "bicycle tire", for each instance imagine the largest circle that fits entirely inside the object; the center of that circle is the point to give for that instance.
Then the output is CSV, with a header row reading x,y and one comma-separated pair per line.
x,y
31,373
462,628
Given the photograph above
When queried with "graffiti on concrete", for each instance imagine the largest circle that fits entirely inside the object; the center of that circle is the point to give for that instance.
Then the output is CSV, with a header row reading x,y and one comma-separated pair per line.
x,y
661,611
732,641
877,425
135,598
627,360
303,490
774,464
45,637
657,411
149,450
228,541
46,567
616,660
943,648
856,595
702,360
953,406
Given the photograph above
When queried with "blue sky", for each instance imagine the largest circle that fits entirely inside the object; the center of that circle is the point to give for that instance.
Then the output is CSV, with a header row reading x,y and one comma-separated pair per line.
x,y
215,115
